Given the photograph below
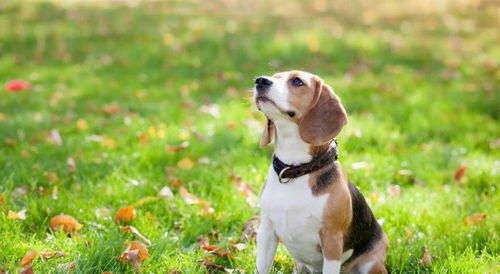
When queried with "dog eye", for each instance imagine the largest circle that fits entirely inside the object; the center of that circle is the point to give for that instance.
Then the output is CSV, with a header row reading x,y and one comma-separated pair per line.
x,y
297,82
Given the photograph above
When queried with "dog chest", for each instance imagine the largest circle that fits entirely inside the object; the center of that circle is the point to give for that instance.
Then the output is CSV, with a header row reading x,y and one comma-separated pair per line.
x,y
296,215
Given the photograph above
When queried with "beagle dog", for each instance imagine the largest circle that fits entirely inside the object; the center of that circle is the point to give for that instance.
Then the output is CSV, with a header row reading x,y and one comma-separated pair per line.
x,y
307,202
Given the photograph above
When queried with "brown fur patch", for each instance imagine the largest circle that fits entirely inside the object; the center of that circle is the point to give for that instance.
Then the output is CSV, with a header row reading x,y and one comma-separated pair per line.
x,y
377,255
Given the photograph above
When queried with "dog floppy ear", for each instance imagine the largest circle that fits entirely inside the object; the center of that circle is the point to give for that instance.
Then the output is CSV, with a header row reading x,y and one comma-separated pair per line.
x,y
325,118
268,134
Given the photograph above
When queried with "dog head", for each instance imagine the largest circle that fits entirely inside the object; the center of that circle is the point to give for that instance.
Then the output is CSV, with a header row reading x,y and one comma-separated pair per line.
x,y
302,98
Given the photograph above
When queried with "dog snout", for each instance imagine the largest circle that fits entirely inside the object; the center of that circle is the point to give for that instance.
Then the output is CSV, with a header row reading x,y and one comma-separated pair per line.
x,y
261,83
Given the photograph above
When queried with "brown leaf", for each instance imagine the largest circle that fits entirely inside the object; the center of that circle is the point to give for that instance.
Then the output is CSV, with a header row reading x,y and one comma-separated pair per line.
x,y
2,201
27,270
143,139
244,189
136,233
125,214
111,109
21,215
174,149
209,265
66,266
460,172
28,258
53,254
250,228
134,254
475,219
426,257
66,222
191,198
176,182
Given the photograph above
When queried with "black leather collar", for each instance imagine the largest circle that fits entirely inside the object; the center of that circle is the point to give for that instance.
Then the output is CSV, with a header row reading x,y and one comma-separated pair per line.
x,y
289,172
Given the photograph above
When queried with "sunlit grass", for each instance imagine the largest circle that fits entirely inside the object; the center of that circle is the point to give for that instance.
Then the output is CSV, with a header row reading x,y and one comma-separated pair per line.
x,y
420,85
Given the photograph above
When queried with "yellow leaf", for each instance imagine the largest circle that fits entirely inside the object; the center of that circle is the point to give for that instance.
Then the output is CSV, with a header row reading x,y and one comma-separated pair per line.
x,y
184,135
21,215
185,164
81,124
145,200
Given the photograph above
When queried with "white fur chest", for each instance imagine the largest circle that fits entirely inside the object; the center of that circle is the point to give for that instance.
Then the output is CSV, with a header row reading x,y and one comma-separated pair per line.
x,y
296,216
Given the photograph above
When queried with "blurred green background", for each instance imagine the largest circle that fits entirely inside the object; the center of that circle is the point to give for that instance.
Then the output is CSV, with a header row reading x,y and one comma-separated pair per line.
x,y
146,94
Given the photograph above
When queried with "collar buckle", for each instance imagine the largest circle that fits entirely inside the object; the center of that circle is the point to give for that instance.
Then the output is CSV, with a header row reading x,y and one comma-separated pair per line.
x,y
280,179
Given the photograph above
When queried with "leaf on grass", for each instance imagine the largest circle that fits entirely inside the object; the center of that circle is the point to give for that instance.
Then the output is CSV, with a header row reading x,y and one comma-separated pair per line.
x,y
111,109
81,124
28,258
66,222
136,233
125,214
143,139
52,254
134,254
53,137
51,176
192,199
21,215
475,219
426,257
244,189
394,190
20,191
2,201
174,149
55,190
184,135
209,265
146,200
239,246
27,270
185,164
66,267
71,165
250,228
166,193
460,173
176,182
102,212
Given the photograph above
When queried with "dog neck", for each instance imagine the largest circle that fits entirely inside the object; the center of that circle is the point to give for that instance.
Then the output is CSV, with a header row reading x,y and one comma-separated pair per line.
x,y
290,148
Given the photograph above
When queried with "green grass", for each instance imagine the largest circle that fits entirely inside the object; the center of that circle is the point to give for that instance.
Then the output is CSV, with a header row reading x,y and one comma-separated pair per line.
x,y
420,84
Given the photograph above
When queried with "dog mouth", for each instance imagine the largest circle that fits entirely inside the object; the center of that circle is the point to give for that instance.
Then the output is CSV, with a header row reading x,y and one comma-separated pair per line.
x,y
264,99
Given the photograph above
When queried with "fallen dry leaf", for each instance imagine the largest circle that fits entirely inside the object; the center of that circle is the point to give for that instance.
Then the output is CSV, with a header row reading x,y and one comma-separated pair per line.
x,y
111,109
52,254
21,215
71,165
125,214
28,258
209,265
174,149
53,137
426,257
460,173
81,124
2,201
102,212
66,266
165,193
191,198
176,182
20,191
134,254
244,189
136,233
27,270
250,228
185,163
146,200
475,219
143,139
66,222
394,190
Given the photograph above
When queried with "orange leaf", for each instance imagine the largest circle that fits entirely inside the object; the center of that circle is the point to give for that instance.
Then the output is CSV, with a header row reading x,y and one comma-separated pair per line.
x,y
185,164
460,172
143,139
190,198
2,201
475,219
111,109
21,215
81,124
125,214
174,149
28,258
176,182
135,253
66,222
53,254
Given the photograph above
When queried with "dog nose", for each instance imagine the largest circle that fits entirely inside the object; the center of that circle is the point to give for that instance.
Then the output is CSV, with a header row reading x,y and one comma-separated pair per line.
x,y
262,83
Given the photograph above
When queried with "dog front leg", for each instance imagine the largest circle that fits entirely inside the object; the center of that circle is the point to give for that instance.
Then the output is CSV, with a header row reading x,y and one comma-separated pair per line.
x,y
331,245
267,242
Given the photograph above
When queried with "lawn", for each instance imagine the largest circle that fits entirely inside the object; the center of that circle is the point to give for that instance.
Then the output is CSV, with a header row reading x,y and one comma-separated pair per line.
x,y
128,97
